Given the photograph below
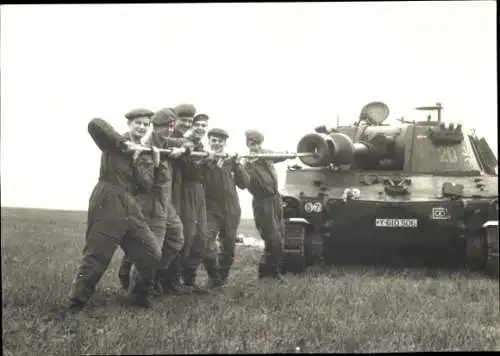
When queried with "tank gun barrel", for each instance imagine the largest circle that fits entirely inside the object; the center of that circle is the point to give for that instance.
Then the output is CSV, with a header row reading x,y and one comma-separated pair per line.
x,y
277,155
334,148
360,149
338,149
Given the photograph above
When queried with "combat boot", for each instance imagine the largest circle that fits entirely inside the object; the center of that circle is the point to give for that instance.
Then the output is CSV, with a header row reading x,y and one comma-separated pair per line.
x,y
263,269
278,277
223,275
157,290
171,279
141,295
269,268
190,281
214,280
197,289
178,288
74,307
213,283
141,300
276,268
174,286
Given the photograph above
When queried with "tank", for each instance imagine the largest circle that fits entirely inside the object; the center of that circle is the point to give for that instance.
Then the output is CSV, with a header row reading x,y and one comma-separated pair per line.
x,y
380,193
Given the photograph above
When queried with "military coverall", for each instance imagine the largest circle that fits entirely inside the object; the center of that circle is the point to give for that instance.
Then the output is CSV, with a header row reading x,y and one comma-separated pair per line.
x,y
188,197
115,219
223,214
171,278
268,212
193,215
159,213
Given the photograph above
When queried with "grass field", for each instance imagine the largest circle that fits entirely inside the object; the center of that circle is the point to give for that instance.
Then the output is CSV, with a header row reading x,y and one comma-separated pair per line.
x,y
347,309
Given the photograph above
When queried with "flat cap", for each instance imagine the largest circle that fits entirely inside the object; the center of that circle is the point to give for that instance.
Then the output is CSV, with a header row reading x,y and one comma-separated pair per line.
x,y
218,132
200,117
185,110
254,135
163,116
135,113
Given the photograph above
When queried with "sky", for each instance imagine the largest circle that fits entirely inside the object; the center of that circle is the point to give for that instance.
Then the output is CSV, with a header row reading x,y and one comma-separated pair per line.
x,y
281,68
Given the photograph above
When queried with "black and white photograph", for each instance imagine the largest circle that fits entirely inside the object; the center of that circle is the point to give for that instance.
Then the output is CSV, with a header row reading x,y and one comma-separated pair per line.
x,y
249,177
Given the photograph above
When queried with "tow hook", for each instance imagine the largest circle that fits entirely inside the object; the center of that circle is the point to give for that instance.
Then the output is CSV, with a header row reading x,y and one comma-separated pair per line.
x,y
452,190
396,187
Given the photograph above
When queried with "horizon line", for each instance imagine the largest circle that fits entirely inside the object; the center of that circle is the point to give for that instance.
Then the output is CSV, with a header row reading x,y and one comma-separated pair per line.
x,y
69,210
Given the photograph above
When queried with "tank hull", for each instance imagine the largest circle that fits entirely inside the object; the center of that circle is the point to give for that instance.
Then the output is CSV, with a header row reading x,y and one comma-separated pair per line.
x,y
399,234
395,223
393,233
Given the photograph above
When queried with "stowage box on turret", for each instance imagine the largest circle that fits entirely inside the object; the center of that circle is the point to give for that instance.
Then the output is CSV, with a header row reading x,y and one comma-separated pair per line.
x,y
390,191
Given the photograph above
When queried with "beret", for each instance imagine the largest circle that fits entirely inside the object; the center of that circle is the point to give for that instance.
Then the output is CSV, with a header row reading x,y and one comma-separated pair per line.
x,y
254,135
218,132
185,110
135,113
199,117
163,116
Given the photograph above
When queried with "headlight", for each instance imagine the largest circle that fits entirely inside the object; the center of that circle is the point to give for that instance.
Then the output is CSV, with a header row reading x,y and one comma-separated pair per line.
x,y
313,207
351,193
290,206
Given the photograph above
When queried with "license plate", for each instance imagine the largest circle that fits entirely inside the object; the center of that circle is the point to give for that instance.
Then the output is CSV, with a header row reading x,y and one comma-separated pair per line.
x,y
396,222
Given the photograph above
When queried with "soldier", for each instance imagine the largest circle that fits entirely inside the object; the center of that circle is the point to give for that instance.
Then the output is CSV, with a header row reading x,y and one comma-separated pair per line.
x,y
135,136
183,123
193,209
174,235
114,217
267,209
223,208
156,204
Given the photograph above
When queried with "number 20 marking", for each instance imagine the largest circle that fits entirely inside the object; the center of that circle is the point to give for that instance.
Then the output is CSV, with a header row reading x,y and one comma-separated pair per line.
x,y
448,155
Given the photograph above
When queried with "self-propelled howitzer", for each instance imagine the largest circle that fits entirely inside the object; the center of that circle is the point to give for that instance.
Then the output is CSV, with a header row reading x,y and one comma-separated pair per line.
x,y
388,191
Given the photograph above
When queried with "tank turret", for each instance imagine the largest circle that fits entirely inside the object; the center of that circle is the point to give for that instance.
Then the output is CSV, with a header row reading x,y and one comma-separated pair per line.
x,y
429,146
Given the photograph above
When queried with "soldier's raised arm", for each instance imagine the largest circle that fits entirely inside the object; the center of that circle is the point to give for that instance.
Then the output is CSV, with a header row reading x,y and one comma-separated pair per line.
x,y
106,137
253,183
147,173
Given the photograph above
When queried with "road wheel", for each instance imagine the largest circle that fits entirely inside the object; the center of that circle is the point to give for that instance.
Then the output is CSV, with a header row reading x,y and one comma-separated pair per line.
x,y
476,251
294,257
481,251
314,249
492,247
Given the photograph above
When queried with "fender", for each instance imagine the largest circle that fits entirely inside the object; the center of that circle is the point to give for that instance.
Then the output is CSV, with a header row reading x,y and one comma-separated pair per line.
x,y
298,220
490,223
295,239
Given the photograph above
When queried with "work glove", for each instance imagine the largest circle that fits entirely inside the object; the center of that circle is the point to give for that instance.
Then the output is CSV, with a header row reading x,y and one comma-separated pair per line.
x,y
134,147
